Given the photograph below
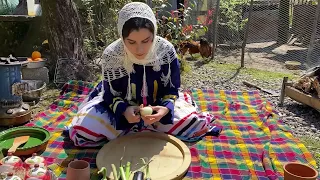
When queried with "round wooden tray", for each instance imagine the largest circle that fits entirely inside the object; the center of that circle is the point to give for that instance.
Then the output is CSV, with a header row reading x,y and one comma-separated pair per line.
x,y
170,157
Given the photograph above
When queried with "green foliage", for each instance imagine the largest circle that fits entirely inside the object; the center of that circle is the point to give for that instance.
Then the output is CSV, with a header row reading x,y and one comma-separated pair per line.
x,y
99,19
12,35
231,14
175,28
313,146
6,9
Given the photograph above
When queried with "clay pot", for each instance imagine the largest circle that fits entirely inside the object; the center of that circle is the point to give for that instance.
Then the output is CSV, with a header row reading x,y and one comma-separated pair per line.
x,y
298,171
78,170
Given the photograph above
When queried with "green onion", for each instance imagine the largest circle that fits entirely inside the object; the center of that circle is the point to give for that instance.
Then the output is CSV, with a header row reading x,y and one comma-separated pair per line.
x,y
114,170
103,171
122,174
144,165
147,171
128,170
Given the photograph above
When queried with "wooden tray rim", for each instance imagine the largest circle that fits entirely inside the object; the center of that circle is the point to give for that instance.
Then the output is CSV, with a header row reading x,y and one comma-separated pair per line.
x,y
179,173
309,100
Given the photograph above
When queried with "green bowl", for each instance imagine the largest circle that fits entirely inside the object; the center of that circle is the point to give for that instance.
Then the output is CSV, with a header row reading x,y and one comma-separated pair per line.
x,y
37,142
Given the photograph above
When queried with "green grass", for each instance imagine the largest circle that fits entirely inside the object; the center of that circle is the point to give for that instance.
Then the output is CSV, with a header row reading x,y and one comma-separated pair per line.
x,y
313,146
258,74
48,97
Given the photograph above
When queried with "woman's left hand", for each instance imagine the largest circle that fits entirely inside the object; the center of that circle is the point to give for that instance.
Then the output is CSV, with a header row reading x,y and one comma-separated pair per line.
x,y
161,112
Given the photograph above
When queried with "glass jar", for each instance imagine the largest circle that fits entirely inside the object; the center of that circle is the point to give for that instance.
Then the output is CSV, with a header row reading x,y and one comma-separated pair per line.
x,y
37,173
12,160
35,159
11,176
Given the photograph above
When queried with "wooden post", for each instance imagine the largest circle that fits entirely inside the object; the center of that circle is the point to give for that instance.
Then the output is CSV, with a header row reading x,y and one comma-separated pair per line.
x,y
216,25
313,35
283,91
283,27
149,2
244,43
210,28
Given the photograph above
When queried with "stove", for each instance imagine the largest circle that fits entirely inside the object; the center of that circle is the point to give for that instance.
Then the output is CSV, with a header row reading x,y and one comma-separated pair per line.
x,y
13,111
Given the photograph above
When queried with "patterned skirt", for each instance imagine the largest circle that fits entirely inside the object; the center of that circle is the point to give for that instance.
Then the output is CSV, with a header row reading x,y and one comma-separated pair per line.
x,y
91,128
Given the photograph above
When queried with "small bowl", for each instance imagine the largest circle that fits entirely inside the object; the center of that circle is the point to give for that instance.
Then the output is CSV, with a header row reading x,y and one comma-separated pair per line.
x,y
294,170
37,64
34,93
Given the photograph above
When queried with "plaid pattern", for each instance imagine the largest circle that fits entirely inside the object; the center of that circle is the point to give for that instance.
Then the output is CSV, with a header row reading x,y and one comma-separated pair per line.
x,y
254,143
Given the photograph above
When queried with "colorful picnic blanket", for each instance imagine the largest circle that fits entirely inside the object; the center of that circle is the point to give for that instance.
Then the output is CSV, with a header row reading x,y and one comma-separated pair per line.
x,y
254,143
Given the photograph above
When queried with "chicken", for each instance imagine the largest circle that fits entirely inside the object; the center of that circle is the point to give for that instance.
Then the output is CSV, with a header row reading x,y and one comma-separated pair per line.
x,y
191,46
203,47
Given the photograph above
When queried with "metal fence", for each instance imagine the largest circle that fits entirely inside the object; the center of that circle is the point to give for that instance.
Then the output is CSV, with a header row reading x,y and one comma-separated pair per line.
x,y
258,31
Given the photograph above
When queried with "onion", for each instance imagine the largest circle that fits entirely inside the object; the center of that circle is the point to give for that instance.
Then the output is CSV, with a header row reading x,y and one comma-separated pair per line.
x,y
145,111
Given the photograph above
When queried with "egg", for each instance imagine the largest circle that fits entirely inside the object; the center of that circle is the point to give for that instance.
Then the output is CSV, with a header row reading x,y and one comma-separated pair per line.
x,y
145,111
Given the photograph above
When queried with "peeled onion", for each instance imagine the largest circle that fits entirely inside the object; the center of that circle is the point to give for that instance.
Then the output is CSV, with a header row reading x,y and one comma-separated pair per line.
x,y
145,111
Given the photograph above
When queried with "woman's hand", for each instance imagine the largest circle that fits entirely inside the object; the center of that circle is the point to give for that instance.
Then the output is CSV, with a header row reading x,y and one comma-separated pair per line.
x,y
130,114
161,112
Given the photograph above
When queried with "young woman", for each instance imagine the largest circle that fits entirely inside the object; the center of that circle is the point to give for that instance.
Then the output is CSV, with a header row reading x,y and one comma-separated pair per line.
x,y
139,69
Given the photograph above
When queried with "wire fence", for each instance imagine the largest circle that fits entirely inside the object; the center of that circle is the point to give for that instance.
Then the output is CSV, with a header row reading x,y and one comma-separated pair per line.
x,y
249,31
259,31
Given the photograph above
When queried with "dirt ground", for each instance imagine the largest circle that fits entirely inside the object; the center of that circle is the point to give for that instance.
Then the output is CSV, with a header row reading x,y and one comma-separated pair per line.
x,y
268,56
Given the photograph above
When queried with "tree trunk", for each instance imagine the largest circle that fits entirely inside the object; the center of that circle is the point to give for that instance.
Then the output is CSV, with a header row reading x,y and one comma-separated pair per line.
x,y
66,38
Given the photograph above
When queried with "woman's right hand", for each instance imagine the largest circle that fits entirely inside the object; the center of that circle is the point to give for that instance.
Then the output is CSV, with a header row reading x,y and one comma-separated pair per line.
x,y
130,114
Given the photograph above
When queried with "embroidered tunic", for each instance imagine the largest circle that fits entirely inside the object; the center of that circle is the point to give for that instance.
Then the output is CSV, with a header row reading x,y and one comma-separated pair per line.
x,y
159,93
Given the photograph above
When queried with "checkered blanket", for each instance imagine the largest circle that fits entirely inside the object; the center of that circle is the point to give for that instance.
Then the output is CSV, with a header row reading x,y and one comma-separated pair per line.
x,y
254,143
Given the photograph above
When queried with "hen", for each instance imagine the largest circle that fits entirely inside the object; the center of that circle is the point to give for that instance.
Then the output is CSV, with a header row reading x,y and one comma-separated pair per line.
x,y
203,47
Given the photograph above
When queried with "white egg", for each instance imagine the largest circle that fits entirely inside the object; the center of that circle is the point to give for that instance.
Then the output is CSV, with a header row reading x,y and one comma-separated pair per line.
x,y
146,111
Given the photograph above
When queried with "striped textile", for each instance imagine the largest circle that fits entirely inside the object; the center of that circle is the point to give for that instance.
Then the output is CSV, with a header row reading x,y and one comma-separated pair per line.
x,y
254,143
93,124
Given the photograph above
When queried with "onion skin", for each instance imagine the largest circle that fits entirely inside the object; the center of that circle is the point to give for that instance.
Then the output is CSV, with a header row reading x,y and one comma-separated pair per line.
x,y
145,111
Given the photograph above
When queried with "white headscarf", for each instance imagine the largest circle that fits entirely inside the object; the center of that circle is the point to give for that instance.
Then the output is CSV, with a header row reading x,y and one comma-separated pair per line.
x,y
117,60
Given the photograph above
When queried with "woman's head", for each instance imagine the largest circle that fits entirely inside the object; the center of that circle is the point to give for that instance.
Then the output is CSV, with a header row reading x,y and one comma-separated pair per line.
x,y
137,27
138,35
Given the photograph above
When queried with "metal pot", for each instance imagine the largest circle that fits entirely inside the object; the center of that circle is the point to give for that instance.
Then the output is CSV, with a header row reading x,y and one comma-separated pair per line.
x,y
35,90
37,64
